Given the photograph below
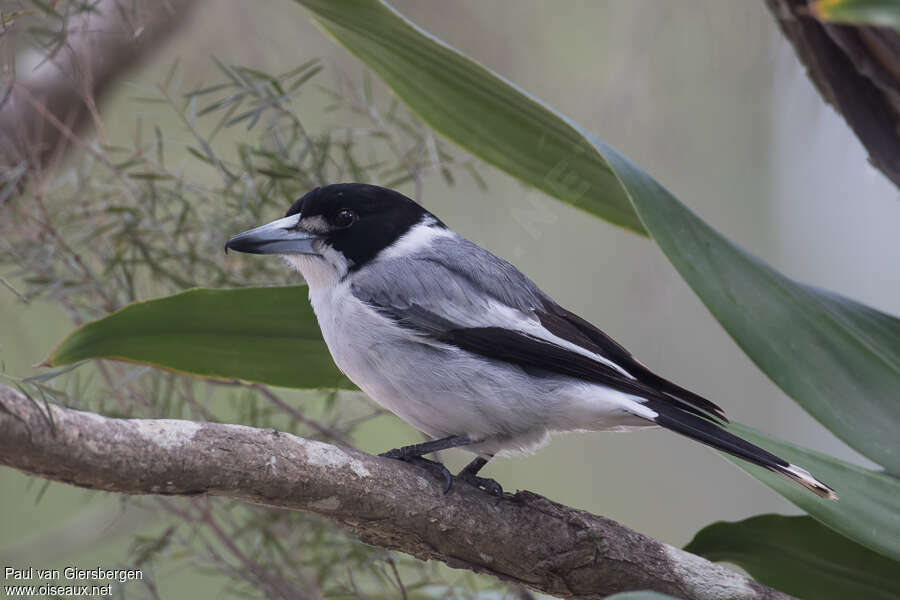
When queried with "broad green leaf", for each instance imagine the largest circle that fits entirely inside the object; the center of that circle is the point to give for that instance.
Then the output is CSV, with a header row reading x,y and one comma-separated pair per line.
x,y
462,100
868,509
858,12
800,556
267,334
837,358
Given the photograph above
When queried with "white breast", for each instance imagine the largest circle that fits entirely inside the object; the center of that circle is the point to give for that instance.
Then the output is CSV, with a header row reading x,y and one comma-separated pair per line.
x,y
381,359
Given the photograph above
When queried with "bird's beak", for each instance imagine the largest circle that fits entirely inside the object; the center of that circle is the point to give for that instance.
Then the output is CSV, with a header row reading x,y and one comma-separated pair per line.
x,y
278,237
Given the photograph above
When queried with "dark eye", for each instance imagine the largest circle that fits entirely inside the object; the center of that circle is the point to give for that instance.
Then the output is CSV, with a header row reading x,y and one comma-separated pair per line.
x,y
344,218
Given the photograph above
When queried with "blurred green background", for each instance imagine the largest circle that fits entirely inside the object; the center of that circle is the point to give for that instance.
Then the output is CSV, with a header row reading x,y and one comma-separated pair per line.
x,y
707,97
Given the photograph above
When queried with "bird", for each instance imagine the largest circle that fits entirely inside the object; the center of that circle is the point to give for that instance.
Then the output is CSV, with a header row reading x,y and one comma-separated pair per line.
x,y
463,346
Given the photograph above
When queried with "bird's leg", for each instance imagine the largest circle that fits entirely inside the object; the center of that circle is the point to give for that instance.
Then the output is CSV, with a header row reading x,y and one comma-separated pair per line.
x,y
470,475
413,455
427,447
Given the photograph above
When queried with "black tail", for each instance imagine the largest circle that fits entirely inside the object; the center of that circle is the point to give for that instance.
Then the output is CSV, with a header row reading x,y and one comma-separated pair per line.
x,y
709,433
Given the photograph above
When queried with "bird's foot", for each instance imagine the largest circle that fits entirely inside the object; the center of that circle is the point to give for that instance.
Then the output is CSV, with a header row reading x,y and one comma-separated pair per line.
x,y
398,453
482,483
433,467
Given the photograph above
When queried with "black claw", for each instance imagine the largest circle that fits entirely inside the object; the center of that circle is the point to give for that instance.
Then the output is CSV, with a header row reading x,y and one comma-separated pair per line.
x,y
433,467
483,483
448,480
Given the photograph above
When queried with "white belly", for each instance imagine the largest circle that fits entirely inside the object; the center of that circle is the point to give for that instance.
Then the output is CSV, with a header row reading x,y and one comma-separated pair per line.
x,y
405,375
442,390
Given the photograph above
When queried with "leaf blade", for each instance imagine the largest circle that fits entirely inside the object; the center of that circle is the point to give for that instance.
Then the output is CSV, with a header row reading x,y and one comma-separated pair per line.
x,y
801,557
532,142
267,335
820,348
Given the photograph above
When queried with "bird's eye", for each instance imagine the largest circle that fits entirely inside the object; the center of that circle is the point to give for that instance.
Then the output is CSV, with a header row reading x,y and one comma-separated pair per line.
x,y
344,218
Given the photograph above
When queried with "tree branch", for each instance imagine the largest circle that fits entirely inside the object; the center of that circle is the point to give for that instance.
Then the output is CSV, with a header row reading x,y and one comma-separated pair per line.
x,y
526,538
45,106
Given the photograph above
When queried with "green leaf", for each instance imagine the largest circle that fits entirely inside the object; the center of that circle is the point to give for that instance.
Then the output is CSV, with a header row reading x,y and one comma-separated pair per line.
x,y
868,510
837,358
268,335
858,12
469,104
801,557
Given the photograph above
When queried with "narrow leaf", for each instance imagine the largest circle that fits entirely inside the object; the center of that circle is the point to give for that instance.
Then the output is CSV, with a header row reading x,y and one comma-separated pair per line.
x,y
801,557
469,104
268,335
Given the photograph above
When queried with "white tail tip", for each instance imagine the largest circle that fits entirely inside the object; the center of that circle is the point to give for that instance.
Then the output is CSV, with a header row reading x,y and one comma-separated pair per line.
x,y
804,478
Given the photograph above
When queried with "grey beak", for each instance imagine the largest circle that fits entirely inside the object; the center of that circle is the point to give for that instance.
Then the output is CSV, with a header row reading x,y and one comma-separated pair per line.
x,y
278,237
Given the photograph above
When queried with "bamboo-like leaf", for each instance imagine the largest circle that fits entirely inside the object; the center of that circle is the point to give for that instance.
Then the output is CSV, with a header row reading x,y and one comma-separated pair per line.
x,y
266,334
463,101
868,510
801,557
837,358
858,12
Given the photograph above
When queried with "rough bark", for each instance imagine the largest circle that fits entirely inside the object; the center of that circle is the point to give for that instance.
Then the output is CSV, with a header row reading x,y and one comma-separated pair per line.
x,y
60,96
857,70
525,538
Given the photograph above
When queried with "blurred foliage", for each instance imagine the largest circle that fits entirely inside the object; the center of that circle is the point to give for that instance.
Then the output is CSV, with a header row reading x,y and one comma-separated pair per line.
x,y
885,13
154,223
39,24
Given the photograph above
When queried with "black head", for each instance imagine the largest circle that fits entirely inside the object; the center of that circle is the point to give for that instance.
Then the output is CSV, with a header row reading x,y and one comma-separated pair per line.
x,y
356,219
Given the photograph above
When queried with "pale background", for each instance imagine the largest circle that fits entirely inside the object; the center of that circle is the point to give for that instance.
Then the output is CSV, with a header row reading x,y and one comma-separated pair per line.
x,y
704,95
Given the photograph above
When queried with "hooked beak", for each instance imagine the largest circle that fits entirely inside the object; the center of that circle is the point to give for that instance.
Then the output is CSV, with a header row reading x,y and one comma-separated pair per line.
x,y
278,237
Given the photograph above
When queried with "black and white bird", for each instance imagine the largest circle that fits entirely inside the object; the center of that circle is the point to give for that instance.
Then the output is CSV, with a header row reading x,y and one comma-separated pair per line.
x,y
463,346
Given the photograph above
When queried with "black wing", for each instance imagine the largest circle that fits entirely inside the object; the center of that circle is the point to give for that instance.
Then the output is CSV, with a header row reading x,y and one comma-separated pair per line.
x,y
698,420
569,326
536,354
451,293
